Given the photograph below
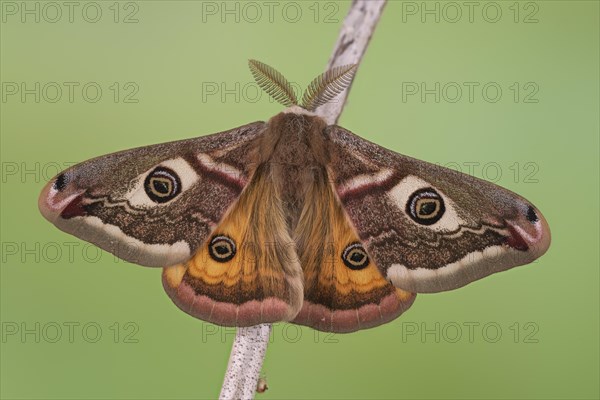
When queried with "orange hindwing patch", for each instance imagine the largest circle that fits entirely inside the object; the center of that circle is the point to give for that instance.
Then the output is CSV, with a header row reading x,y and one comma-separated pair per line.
x,y
248,272
344,289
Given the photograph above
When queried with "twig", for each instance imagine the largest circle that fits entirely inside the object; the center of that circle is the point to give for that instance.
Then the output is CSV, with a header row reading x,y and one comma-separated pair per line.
x,y
245,362
250,345
350,47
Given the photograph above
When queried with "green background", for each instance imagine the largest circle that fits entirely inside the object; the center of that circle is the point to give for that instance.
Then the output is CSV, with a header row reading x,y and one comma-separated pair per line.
x,y
548,312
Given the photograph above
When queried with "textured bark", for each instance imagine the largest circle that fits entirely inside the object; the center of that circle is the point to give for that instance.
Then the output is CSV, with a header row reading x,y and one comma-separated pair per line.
x,y
352,42
245,362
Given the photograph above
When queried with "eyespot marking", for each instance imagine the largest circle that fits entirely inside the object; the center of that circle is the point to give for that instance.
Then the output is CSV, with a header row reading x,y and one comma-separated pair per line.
x,y
221,248
162,185
355,257
425,206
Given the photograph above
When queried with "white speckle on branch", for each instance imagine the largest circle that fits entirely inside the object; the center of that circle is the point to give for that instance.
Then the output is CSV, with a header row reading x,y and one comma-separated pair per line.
x,y
250,345
245,362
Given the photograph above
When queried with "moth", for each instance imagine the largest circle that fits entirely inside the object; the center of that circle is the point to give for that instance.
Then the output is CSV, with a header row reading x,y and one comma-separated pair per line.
x,y
294,219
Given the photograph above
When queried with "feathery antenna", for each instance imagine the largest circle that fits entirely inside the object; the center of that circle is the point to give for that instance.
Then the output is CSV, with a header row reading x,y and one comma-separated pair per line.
x,y
327,85
273,82
320,91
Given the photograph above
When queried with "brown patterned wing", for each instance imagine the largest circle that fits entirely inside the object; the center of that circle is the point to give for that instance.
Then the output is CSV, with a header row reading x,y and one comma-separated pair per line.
x,y
428,228
154,205
343,289
201,208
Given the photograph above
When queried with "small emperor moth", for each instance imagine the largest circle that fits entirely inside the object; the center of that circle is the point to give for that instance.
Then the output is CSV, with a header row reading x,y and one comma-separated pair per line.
x,y
294,219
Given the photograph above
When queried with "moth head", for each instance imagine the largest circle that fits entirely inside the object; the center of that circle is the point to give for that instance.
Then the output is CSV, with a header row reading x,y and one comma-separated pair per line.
x,y
321,90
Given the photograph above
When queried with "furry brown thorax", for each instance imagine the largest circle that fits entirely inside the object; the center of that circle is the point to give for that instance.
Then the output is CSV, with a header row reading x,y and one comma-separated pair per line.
x,y
294,149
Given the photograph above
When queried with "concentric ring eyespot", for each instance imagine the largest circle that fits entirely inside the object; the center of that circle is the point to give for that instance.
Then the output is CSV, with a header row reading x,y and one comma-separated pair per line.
x,y
162,185
425,206
355,257
222,248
